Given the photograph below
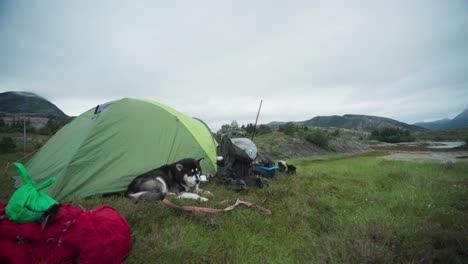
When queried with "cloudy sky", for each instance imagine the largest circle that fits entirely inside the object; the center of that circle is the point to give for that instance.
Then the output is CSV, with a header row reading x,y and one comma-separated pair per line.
x,y
406,60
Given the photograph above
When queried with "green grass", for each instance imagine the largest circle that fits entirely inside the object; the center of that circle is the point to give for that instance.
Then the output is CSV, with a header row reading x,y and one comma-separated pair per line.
x,y
6,171
33,141
337,209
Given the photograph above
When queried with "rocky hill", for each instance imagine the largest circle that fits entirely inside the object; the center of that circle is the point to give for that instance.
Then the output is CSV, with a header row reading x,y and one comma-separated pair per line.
x,y
460,121
277,145
354,122
35,111
29,104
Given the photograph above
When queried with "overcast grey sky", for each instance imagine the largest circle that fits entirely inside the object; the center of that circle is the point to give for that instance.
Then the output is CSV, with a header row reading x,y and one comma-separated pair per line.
x,y
406,60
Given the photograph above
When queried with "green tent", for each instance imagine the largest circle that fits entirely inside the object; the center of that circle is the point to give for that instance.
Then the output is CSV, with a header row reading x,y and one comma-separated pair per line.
x,y
105,148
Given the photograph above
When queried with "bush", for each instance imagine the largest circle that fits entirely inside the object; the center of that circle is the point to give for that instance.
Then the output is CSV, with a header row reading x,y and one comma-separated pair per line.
x,y
336,133
3,126
44,131
7,145
289,128
392,135
260,130
263,129
234,126
317,137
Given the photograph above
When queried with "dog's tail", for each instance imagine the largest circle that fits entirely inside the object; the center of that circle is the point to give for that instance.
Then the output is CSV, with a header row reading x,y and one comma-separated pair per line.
x,y
147,196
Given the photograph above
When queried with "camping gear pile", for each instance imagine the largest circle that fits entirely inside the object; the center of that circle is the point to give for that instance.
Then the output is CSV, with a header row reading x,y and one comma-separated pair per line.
x,y
101,152
236,168
34,228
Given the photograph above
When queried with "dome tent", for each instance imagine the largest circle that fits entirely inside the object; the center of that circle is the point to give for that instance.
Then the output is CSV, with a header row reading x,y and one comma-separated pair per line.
x,y
105,148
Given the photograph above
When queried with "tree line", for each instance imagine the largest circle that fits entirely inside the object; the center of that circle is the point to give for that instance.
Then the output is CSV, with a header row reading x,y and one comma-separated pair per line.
x,y
392,135
249,129
317,136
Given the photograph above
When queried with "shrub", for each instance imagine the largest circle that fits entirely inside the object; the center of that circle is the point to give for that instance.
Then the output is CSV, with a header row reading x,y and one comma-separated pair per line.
x,y
289,128
7,145
336,133
234,126
3,126
263,129
317,137
259,130
44,131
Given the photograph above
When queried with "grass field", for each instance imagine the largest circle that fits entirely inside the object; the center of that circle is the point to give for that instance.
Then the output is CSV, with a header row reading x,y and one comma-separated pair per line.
x,y
337,209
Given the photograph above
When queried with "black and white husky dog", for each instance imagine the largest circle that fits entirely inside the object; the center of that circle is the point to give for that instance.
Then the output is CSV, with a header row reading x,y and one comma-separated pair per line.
x,y
181,179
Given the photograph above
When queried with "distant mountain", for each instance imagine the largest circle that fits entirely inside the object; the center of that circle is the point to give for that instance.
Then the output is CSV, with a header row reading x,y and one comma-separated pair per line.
x,y
30,104
459,121
354,122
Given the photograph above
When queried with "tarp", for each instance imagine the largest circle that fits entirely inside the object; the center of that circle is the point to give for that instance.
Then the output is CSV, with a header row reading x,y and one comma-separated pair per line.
x,y
236,145
244,147
105,148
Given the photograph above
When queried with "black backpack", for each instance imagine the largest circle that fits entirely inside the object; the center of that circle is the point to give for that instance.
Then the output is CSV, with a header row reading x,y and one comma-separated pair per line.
x,y
236,169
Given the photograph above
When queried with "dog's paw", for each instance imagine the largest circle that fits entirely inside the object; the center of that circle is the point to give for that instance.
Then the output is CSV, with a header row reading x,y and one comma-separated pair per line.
x,y
203,199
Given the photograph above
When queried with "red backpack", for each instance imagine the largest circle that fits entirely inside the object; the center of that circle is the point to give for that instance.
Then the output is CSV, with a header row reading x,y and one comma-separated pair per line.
x,y
74,235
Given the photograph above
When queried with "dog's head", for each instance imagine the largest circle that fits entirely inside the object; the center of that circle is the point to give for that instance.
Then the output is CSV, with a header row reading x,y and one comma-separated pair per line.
x,y
188,172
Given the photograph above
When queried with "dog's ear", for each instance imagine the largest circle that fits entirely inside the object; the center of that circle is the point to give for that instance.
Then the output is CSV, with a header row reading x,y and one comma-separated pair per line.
x,y
200,160
179,167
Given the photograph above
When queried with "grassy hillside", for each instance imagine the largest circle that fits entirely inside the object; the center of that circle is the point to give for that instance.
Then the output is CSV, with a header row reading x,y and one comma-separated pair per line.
x,y
337,209
277,145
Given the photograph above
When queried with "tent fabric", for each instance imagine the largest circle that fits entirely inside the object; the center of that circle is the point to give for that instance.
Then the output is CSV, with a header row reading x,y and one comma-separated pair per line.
x,y
74,235
103,151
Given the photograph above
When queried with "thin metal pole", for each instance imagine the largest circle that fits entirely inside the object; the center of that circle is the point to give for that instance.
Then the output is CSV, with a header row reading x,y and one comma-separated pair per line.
x,y
256,119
